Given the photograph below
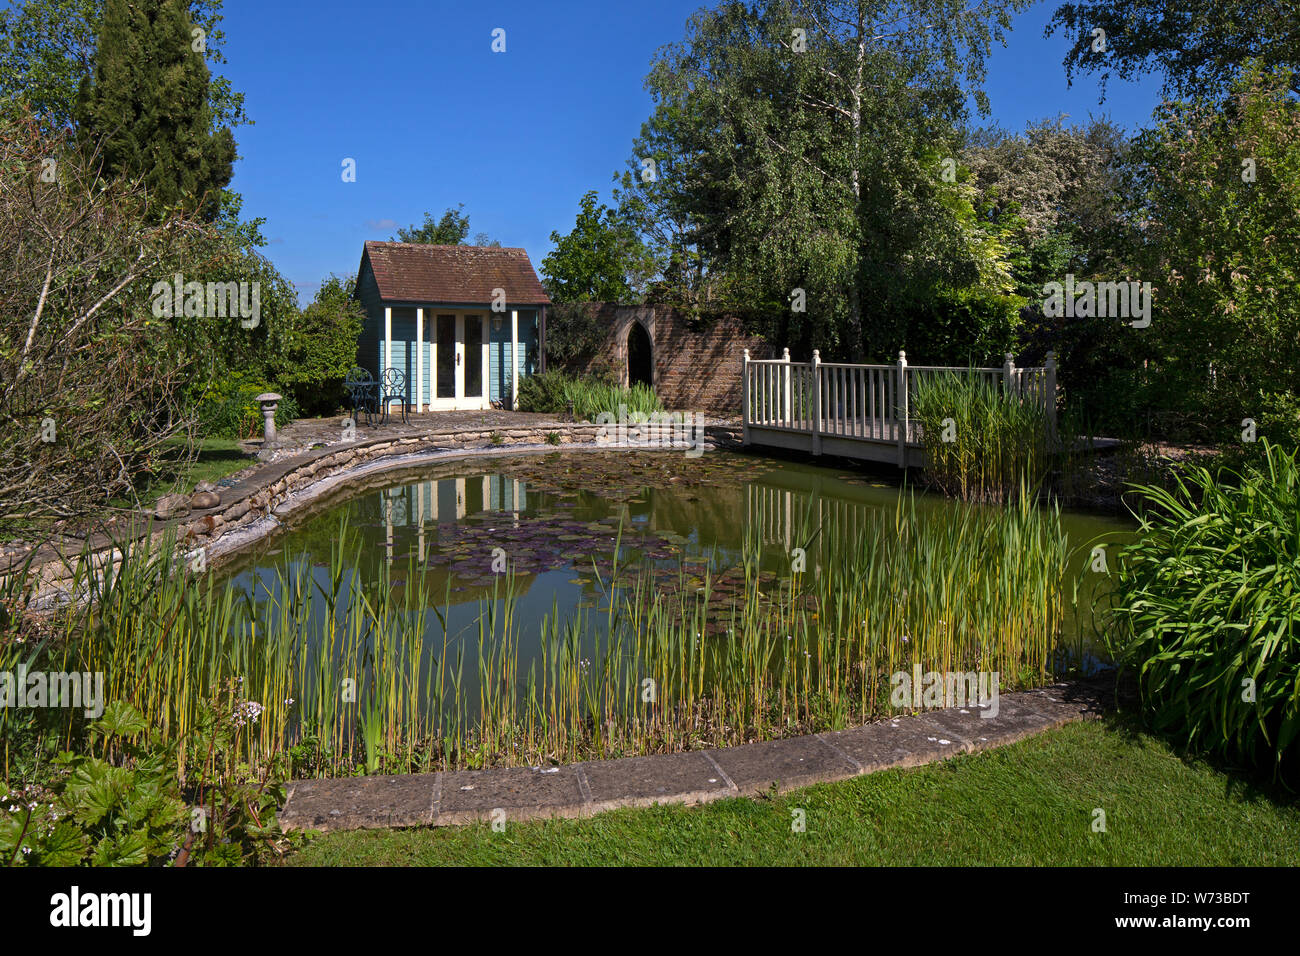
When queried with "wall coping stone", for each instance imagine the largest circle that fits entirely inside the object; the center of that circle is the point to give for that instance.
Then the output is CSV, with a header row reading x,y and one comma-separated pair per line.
x,y
453,798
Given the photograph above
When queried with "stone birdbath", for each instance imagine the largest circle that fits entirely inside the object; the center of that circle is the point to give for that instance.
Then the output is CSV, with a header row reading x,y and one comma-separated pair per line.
x,y
269,401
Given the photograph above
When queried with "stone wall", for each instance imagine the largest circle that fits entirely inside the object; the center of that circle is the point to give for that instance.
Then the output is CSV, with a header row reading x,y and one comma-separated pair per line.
x,y
253,507
696,362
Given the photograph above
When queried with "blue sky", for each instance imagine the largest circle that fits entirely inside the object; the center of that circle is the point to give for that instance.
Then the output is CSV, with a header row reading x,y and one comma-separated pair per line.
x,y
412,91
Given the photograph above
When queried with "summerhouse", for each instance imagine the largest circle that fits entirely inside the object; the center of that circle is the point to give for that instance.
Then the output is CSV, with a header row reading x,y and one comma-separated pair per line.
x,y
463,323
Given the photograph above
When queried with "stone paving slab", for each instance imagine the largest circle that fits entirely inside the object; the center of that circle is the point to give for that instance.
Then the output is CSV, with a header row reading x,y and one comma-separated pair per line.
x,y
661,778
902,742
524,793
1015,719
578,790
784,764
356,803
1063,703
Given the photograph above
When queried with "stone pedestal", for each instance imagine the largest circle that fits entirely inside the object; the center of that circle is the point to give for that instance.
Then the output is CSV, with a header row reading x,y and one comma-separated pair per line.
x,y
269,401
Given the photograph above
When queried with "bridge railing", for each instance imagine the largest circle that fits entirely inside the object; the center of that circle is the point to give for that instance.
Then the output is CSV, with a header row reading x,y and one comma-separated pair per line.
x,y
867,402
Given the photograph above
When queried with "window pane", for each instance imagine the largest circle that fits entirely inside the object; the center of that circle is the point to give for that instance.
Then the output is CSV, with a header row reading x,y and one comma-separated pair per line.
x,y
446,356
473,356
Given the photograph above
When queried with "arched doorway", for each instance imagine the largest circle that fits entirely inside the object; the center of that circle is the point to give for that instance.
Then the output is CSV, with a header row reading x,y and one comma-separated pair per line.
x,y
640,362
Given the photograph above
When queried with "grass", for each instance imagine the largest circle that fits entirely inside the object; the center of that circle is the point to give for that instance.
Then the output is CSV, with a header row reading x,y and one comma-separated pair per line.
x,y
214,459
217,458
1027,804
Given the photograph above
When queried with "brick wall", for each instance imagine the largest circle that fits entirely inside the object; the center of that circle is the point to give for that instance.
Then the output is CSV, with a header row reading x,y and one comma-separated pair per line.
x,y
696,362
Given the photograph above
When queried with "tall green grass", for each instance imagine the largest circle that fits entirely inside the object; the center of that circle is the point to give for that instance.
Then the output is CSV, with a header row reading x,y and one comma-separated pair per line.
x,y
1206,611
368,674
551,393
981,443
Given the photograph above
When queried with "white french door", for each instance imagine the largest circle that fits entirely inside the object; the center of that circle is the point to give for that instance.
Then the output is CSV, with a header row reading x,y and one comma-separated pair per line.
x,y
458,361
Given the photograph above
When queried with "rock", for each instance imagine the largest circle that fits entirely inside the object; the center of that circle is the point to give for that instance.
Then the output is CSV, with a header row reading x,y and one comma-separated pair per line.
x,y
171,506
206,498
205,486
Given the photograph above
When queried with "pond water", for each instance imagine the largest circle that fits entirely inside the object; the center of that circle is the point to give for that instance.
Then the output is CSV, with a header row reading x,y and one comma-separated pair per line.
x,y
558,520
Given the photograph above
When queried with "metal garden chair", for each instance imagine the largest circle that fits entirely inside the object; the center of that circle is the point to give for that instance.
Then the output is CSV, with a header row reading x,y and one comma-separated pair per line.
x,y
363,393
394,387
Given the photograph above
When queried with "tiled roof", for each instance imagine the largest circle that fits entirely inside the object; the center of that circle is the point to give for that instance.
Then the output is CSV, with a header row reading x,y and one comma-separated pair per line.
x,y
413,272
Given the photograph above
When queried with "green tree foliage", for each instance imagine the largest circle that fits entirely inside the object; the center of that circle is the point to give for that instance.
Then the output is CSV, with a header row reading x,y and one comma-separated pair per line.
x,y
800,145
1199,45
1054,192
601,260
147,107
321,346
1217,202
47,48
451,229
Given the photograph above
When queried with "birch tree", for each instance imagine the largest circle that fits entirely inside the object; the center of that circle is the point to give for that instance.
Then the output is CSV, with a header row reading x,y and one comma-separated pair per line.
x,y
800,145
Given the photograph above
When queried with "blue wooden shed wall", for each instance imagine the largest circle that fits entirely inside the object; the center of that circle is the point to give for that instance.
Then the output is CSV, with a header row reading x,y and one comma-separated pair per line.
x,y
499,353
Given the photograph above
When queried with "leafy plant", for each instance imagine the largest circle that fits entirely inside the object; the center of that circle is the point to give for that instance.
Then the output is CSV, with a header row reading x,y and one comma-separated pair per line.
x,y
123,802
1205,610
228,408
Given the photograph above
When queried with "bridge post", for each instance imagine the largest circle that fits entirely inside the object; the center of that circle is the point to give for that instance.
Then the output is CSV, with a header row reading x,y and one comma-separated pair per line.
x,y
901,412
1008,375
744,399
817,402
787,408
1049,385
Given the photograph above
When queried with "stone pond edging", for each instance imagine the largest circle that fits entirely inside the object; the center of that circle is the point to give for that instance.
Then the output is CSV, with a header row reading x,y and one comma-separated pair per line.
x,y
453,798
253,507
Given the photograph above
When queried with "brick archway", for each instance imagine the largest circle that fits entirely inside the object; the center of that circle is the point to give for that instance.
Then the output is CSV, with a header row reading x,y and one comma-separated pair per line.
x,y
640,355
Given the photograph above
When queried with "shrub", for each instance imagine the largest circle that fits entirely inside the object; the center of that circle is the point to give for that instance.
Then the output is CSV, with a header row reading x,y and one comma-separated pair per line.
x,y
228,408
321,347
574,330
981,444
543,393
1205,610
92,386
129,806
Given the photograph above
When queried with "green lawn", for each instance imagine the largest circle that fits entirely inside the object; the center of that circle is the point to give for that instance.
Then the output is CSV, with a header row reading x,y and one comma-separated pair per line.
x,y
217,457
1028,804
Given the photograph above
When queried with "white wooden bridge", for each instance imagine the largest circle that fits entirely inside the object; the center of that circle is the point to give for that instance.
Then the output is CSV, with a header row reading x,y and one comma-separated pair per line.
x,y
860,411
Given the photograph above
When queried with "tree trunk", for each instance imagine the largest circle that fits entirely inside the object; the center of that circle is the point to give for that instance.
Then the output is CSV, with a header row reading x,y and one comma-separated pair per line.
x,y
855,299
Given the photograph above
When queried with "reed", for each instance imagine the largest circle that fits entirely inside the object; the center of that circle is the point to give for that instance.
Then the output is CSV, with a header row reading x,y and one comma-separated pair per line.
x,y
981,443
552,392
351,673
